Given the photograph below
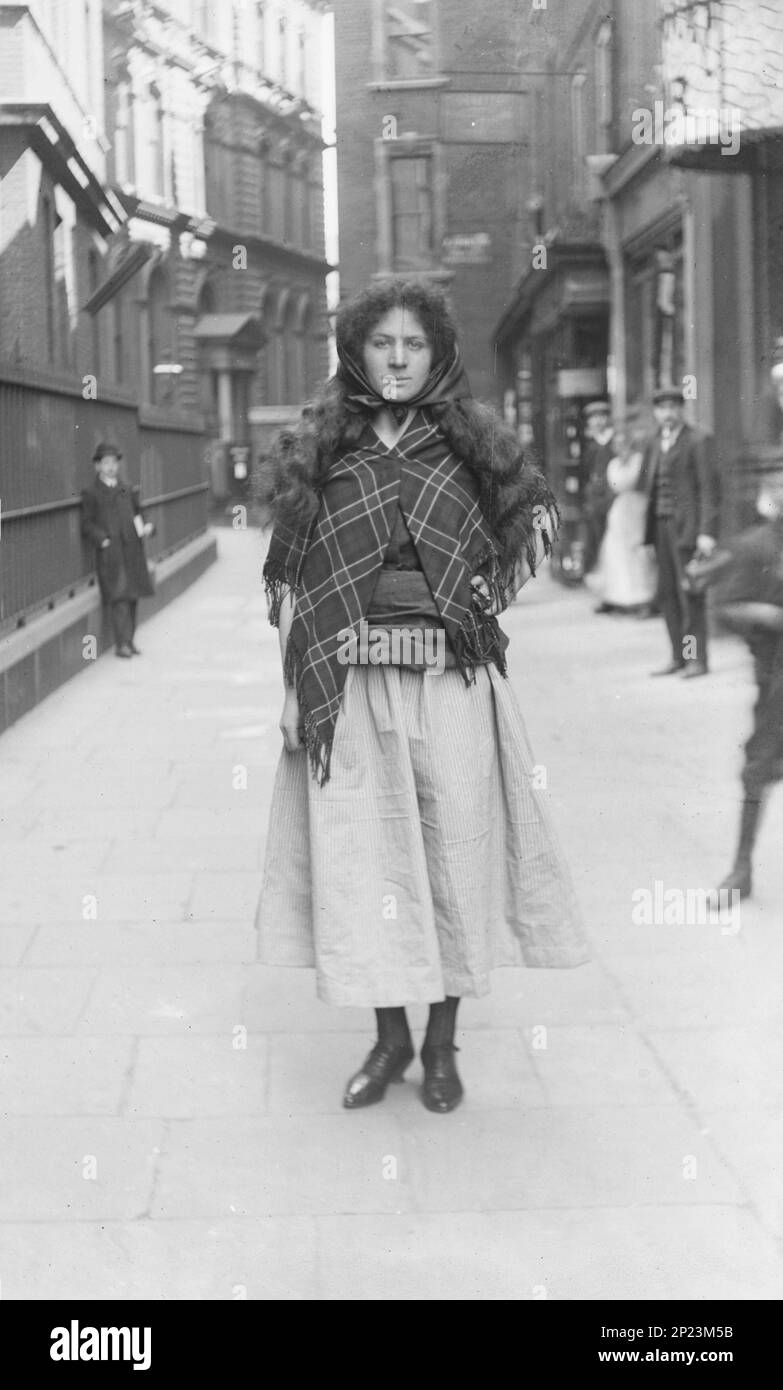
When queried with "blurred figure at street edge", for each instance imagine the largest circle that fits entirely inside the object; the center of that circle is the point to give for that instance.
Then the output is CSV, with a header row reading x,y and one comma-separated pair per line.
x,y
112,521
751,603
408,853
681,485
625,577
599,449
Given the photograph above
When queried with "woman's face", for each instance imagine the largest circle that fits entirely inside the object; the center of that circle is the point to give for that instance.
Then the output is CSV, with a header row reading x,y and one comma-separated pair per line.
x,y
398,355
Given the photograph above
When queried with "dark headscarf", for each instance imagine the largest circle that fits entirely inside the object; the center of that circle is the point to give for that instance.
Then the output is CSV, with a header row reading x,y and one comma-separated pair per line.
x,y
446,382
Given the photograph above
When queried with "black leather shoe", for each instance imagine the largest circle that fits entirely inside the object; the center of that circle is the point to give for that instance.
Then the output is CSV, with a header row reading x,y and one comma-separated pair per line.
x,y
134,649
124,650
386,1062
670,670
441,1089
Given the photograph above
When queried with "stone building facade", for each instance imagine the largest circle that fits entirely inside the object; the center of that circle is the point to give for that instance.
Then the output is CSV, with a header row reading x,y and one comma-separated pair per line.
x,y
161,283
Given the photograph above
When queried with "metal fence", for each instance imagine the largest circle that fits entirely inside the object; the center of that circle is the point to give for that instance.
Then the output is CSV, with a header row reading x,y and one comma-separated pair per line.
x,y
47,436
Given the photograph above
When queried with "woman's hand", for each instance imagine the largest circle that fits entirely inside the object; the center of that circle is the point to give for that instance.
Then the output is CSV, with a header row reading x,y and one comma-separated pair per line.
x,y
482,591
290,723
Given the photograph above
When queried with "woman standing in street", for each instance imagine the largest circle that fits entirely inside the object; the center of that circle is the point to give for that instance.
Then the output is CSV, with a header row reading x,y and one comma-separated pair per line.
x,y
625,578
408,852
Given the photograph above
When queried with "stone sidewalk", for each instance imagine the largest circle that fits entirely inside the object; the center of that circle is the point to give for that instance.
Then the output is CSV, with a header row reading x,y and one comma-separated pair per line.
x,y
171,1118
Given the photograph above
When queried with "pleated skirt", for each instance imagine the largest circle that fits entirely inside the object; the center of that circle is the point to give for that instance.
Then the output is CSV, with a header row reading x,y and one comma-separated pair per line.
x,y
428,859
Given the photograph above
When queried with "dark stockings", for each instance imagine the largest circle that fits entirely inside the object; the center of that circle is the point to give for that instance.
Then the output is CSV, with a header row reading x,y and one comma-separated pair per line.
x,y
442,1022
392,1027
393,1024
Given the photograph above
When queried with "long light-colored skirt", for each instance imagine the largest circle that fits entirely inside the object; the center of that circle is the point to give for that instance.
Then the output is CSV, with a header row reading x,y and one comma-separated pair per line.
x,y
428,858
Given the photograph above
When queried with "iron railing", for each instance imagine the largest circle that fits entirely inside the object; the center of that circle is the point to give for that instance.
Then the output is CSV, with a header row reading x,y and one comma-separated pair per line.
x,y
47,436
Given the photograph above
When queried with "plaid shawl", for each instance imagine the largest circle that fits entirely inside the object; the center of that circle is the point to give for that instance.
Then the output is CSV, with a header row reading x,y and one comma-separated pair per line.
x,y
332,565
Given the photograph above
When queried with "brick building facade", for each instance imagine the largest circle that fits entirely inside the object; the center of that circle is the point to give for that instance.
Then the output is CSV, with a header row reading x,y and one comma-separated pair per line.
x,y
434,150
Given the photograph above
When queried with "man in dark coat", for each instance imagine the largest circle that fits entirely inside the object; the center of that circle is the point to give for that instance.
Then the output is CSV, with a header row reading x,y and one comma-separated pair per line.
x,y
112,521
599,451
681,482
751,603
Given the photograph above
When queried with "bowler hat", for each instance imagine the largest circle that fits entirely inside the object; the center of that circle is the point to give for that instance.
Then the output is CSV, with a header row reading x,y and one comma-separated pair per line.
x,y
104,449
668,393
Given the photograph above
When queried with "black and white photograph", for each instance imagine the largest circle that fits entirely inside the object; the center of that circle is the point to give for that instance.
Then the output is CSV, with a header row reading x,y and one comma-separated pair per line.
x,y
391,660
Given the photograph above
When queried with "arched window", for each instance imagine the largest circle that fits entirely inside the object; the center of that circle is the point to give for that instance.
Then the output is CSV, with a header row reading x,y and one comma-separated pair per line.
x,y
93,274
274,318
118,337
207,299
47,235
157,153
293,385
301,77
160,346
282,44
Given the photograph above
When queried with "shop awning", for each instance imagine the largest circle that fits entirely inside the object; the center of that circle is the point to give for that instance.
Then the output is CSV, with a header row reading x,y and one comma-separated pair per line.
x,y
574,282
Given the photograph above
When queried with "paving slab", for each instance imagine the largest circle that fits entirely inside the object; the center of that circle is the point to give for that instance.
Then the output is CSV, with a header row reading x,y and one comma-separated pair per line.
x,y
606,1253
77,1167
221,1074
43,1000
565,1156
64,1076
165,999
270,1258
282,1165
167,943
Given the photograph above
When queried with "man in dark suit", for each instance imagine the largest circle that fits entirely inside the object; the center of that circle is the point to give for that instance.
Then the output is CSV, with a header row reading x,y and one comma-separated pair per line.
x,y
112,521
681,482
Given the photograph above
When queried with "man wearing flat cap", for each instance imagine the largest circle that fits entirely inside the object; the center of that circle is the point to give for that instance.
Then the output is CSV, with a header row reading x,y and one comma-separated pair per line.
x,y
681,482
598,454
113,523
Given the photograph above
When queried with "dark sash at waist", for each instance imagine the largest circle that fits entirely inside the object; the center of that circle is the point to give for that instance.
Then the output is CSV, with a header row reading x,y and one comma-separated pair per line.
x,y
402,596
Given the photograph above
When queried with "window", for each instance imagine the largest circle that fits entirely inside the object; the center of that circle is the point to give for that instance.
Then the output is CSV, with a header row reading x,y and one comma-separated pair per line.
x,y
578,143
411,212
603,88
206,299
92,280
47,232
118,336
301,80
655,307
260,38
410,188
125,172
157,171
305,194
282,39
408,39
205,18
159,336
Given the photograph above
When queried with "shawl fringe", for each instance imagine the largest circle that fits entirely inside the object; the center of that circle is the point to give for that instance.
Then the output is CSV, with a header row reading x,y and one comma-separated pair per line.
x,y
278,581
318,748
477,641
